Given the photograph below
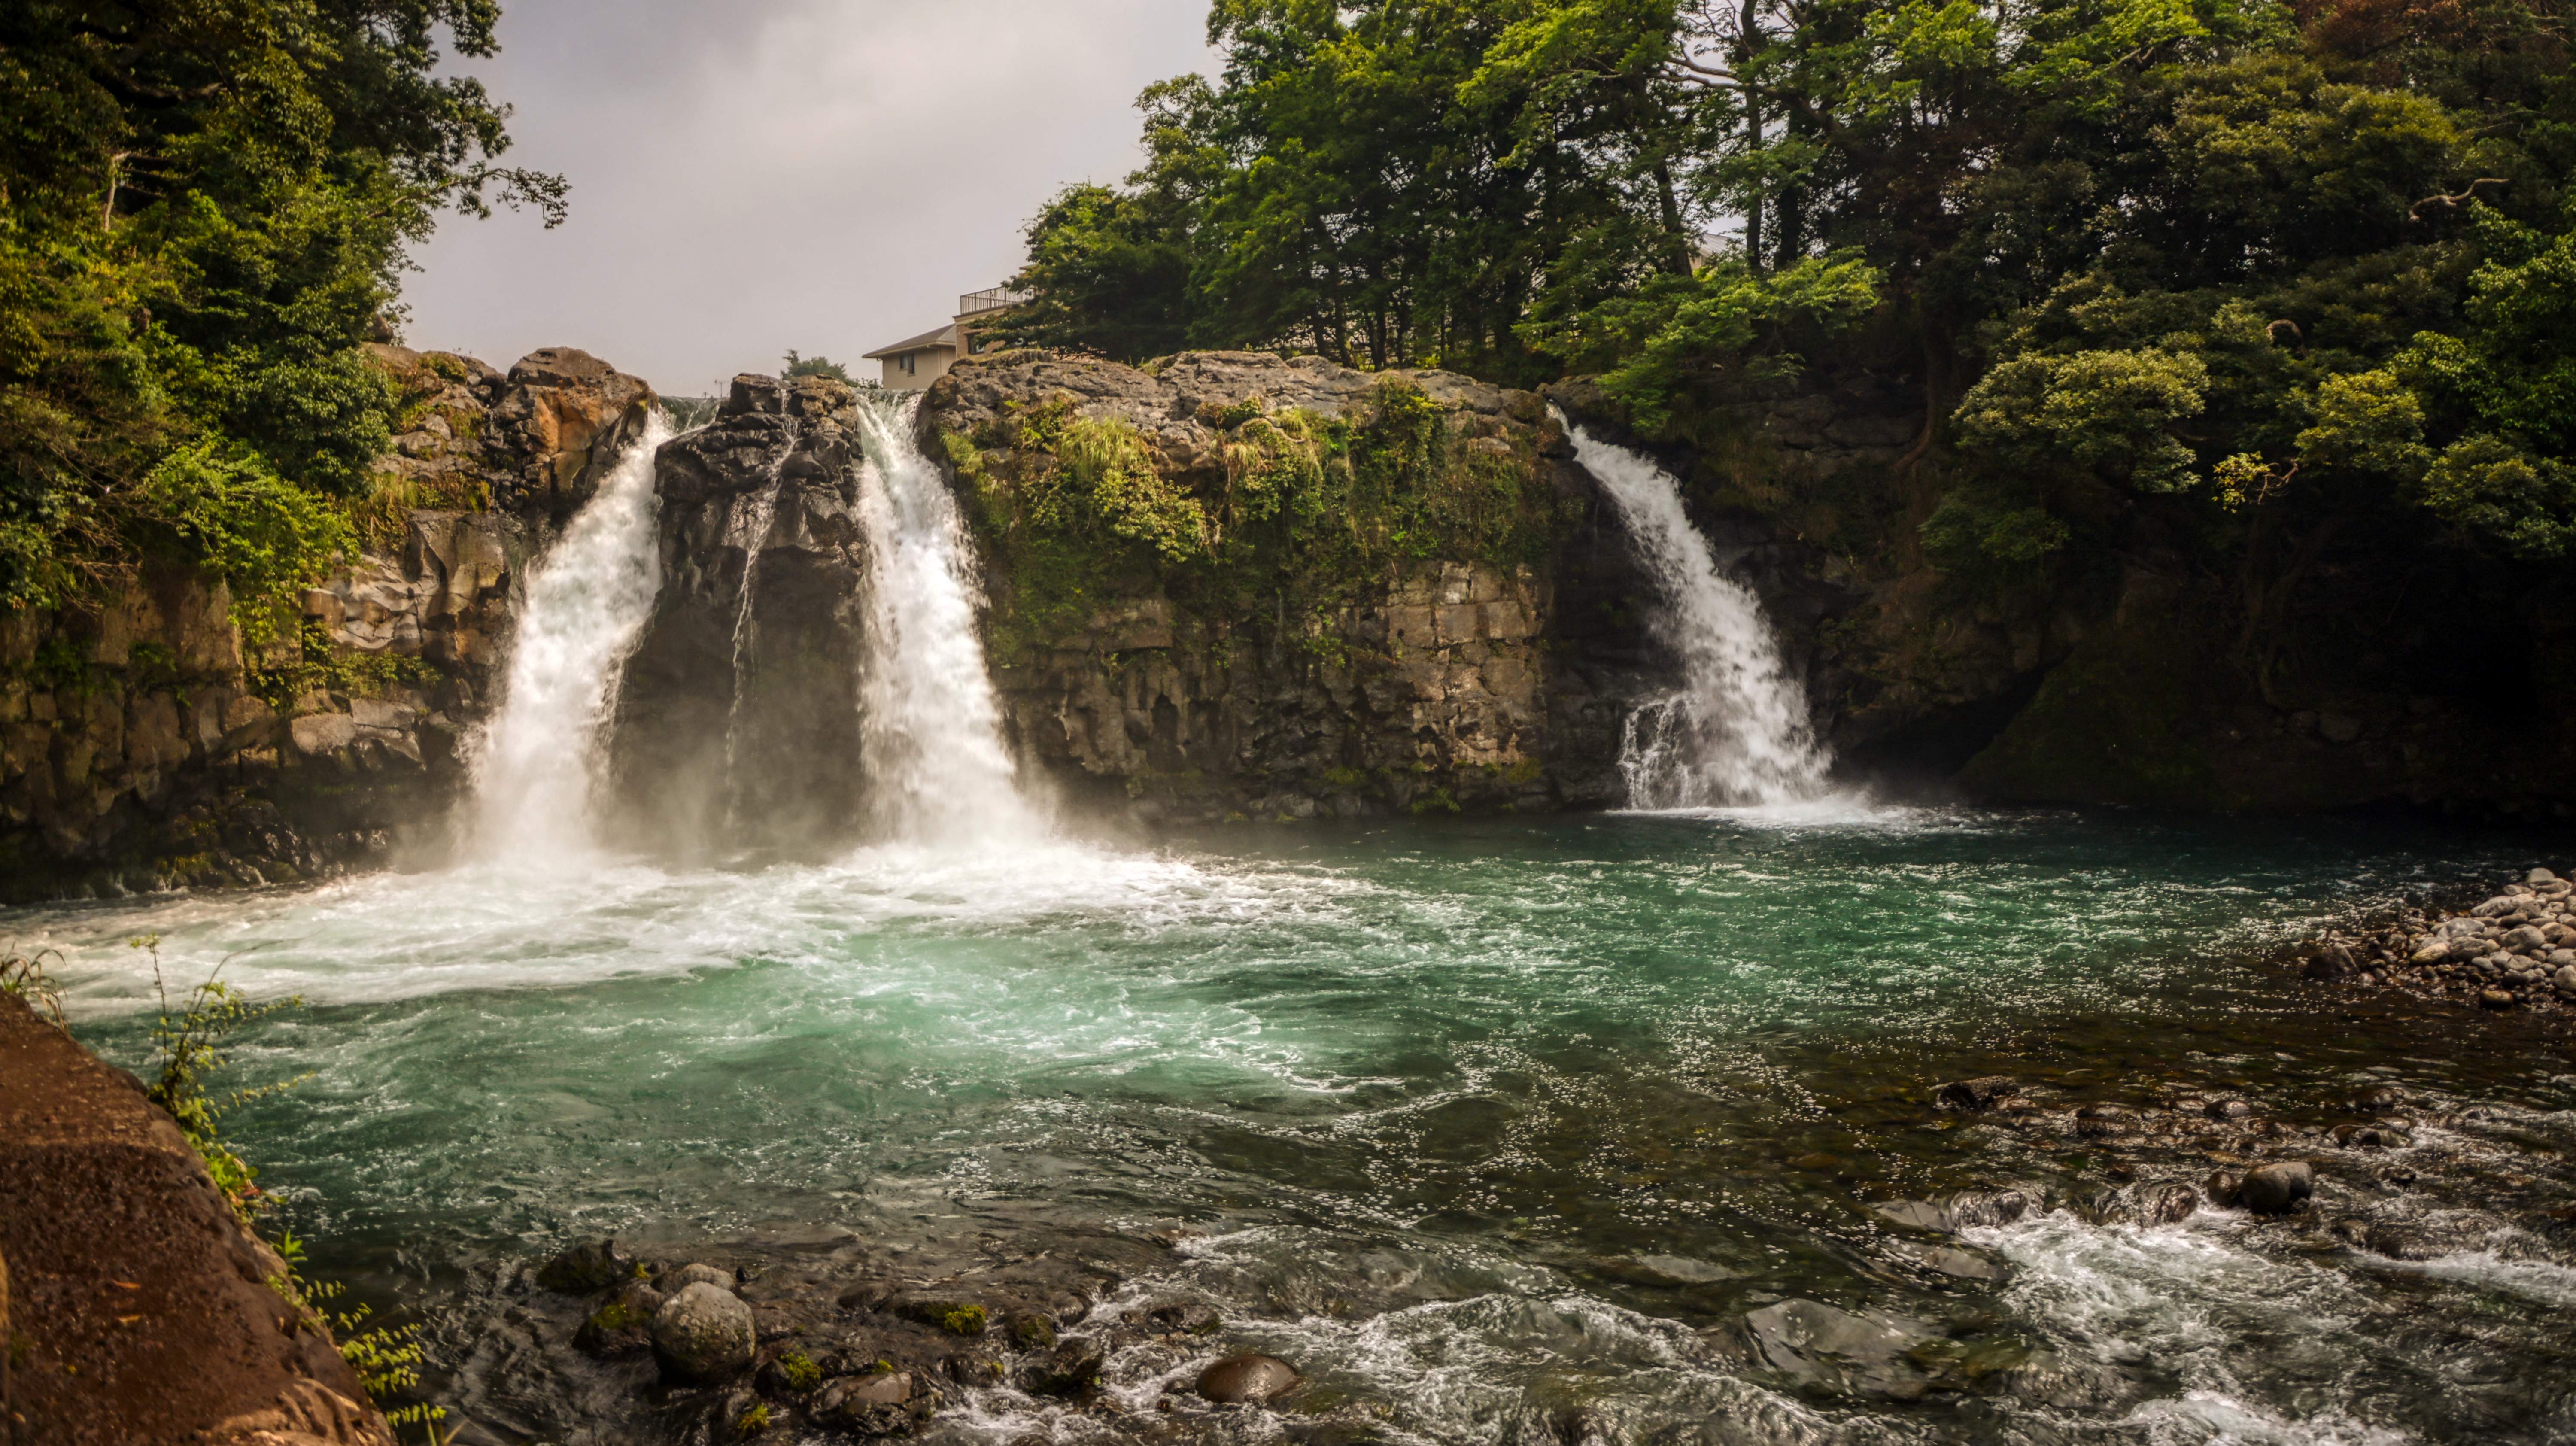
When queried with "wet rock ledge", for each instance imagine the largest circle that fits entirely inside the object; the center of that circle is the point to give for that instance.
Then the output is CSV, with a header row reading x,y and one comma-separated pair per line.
x,y
2515,950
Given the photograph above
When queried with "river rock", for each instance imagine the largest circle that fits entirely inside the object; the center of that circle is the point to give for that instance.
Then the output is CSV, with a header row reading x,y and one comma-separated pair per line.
x,y
694,1274
1248,1379
1069,1370
624,1325
586,1268
870,1405
1189,1317
1816,1345
1974,1096
704,1333
2277,1188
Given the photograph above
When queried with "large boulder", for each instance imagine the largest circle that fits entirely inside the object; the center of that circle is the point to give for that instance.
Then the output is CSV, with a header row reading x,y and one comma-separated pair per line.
x,y
704,1333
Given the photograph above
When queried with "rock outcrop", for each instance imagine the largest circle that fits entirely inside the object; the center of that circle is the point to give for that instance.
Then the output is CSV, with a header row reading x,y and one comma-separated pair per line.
x,y
139,1309
144,742
738,717
1447,683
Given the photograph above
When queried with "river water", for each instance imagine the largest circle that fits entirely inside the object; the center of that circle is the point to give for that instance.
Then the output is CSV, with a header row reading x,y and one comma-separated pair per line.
x,y
1502,1130
1592,1131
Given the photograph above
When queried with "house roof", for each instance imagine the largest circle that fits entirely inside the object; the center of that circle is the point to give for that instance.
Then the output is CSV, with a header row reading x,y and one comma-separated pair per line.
x,y
945,336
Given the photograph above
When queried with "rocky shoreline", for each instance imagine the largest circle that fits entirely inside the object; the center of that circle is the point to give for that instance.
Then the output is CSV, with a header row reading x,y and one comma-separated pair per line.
x,y
2514,950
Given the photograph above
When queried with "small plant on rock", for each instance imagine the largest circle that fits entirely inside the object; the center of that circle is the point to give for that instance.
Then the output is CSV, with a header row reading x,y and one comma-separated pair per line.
x,y
798,1372
753,1421
25,976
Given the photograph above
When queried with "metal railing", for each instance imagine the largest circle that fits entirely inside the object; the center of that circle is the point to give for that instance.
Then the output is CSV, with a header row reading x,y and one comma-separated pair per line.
x,y
990,299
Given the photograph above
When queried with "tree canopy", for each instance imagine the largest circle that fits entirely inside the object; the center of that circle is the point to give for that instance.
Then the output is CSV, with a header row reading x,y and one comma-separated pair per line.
x,y
2261,259
205,206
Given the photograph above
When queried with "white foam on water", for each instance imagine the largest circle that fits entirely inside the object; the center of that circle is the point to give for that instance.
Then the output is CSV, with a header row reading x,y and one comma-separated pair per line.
x,y
2541,1280
2182,1299
536,762
1736,732
2207,1418
502,926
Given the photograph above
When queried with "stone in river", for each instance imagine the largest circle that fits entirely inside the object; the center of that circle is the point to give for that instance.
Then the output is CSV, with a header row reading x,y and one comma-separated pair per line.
x,y
2230,1110
703,1333
1835,1350
2277,1188
872,1405
2496,998
1975,1095
585,1268
1068,1370
1189,1317
624,1324
693,1273
2525,939
2171,1204
1248,1380
2537,877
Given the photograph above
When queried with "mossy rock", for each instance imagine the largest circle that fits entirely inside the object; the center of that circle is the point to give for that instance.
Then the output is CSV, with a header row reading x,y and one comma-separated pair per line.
x,y
962,1318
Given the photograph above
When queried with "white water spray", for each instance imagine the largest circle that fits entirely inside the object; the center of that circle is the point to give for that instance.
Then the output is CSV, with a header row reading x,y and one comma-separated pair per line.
x,y
932,732
539,757
1736,731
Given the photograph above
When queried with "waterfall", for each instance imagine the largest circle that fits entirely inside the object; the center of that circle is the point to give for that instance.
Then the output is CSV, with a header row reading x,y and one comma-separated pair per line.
x,y
536,760
1736,731
932,734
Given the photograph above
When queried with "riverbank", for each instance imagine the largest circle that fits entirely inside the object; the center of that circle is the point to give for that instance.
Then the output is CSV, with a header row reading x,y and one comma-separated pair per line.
x,y
2515,949
136,1308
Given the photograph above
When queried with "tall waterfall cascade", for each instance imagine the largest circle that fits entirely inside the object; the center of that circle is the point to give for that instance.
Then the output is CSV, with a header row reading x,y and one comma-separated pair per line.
x,y
1736,731
932,726
537,762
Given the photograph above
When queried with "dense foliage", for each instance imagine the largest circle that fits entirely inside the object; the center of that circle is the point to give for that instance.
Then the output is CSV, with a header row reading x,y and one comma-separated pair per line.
x,y
1303,515
2270,270
204,209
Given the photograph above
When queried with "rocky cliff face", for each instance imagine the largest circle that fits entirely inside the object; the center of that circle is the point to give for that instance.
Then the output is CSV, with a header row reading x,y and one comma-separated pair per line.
x,y
1430,683
738,718
143,744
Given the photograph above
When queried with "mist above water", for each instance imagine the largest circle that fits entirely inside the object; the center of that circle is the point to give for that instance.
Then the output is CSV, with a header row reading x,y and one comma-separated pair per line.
x,y
1735,731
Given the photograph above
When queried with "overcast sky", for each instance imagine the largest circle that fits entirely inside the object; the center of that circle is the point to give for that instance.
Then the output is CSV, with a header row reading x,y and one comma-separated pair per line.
x,y
754,175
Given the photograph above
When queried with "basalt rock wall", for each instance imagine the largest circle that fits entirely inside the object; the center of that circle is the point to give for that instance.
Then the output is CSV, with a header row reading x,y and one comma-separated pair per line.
x,y
737,721
146,742
1438,684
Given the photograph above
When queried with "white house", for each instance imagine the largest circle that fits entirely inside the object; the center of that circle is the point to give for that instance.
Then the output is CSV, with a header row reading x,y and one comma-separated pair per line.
x,y
916,362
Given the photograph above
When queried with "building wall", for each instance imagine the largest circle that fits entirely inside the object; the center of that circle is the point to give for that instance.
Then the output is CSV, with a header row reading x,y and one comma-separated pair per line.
x,y
928,365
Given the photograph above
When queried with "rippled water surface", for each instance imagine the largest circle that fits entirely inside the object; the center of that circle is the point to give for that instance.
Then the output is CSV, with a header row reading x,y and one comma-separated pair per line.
x,y
1504,1131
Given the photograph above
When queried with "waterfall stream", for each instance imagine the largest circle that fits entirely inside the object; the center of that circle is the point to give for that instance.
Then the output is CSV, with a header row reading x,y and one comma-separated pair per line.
x,y
1736,731
932,731
536,761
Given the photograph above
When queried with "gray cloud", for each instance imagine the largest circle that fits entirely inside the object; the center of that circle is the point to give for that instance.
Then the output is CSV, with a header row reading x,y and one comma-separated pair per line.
x,y
755,175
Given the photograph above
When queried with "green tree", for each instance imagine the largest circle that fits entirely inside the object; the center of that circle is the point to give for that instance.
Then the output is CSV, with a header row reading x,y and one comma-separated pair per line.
x,y
204,210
